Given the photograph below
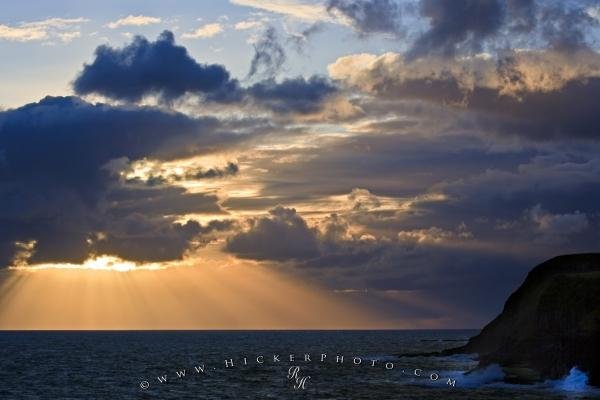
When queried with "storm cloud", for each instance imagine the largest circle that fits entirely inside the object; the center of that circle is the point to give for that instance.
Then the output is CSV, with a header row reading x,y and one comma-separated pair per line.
x,y
153,68
58,188
456,23
297,95
57,133
471,26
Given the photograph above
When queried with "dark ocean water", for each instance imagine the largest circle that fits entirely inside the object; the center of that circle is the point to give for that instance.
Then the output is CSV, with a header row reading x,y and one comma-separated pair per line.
x,y
126,365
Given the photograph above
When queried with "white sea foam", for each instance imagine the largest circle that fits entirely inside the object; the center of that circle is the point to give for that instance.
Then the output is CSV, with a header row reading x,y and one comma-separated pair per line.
x,y
575,381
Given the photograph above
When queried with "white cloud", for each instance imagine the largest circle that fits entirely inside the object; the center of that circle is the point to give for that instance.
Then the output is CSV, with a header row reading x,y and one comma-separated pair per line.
x,y
594,12
435,235
20,34
205,31
295,9
248,24
58,23
67,37
134,20
64,29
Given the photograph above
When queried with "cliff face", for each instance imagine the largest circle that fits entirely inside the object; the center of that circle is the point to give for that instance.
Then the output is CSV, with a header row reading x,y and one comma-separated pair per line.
x,y
550,324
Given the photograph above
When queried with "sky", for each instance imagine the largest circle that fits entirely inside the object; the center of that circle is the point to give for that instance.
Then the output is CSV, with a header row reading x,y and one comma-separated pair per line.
x,y
286,164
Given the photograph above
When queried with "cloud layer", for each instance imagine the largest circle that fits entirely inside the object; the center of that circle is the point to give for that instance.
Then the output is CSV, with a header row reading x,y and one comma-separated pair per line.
x,y
539,94
446,148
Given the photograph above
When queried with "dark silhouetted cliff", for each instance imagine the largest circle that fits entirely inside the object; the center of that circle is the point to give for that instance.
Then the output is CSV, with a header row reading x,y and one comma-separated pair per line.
x,y
550,324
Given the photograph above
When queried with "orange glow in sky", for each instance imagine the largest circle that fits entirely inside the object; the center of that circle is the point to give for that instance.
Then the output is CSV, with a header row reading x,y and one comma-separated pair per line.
x,y
241,296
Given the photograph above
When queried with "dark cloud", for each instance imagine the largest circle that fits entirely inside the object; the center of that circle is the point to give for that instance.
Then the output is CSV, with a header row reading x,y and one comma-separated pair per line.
x,y
370,16
58,133
464,26
505,210
157,201
427,271
552,195
65,228
399,164
230,169
416,181
138,237
284,235
194,174
454,24
541,115
57,186
566,112
165,69
297,95
153,68
453,276
269,56
538,94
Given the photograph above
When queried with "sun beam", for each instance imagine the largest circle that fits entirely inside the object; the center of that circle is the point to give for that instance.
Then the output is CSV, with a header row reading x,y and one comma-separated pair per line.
x,y
212,292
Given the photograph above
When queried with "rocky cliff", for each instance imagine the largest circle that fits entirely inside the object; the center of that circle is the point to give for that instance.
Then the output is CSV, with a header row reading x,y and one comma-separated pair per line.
x,y
550,324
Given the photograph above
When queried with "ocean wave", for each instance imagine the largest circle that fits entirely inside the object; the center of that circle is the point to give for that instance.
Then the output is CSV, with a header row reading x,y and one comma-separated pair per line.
x,y
575,383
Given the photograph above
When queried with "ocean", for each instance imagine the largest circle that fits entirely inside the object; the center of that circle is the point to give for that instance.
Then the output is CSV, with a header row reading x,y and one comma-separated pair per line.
x,y
254,365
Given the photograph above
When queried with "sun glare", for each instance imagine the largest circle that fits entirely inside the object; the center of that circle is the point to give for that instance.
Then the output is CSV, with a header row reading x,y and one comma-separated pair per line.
x,y
97,263
108,293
